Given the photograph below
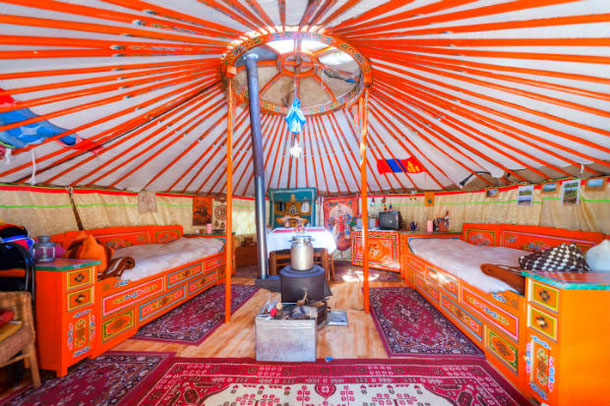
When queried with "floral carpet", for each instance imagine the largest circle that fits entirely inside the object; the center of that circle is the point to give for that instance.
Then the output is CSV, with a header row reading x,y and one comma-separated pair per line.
x,y
233,382
410,326
192,322
345,271
104,381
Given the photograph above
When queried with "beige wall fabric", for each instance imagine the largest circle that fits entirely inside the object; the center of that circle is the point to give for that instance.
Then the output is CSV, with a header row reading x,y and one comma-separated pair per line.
x,y
42,211
49,211
591,214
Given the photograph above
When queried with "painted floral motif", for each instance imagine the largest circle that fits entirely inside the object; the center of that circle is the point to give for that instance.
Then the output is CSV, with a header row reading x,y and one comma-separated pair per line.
x,y
340,383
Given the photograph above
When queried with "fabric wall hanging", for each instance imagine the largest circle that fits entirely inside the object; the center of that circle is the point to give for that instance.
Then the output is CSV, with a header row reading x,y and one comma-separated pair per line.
x,y
202,210
340,215
429,199
288,207
147,202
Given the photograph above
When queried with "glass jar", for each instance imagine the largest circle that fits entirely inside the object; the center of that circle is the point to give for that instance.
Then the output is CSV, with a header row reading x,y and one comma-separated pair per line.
x,y
44,249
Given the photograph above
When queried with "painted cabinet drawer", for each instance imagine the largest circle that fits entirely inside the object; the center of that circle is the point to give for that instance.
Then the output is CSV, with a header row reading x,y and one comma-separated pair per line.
x,y
504,321
182,275
77,278
214,263
466,319
161,303
542,322
430,291
81,332
117,324
448,283
202,283
129,297
416,265
544,295
502,348
80,298
540,367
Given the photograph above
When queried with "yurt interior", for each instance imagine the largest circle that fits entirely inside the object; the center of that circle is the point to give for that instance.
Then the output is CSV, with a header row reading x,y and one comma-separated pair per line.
x,y
305,202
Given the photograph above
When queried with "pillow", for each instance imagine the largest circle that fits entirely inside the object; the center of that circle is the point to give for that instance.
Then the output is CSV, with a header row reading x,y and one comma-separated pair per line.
x,y
6,316
85,246
562,258
598,257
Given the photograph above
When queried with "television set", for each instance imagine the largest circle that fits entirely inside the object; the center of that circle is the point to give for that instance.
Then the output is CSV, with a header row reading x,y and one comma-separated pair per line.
x,y
389,220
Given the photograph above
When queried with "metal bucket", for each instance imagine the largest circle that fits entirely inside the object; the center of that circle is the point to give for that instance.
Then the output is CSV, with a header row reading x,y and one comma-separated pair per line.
x,y
301,253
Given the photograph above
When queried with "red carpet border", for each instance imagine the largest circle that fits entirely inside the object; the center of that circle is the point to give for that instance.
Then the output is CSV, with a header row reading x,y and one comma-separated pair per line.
x,y
104,381
419,381
192,322
410,326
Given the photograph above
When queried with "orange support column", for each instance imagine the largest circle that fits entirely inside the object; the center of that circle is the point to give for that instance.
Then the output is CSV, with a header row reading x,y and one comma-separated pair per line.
x,y
229,224
363,193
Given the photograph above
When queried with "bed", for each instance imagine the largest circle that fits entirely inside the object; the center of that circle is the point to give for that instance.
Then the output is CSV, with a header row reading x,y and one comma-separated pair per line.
x,y
489,311
169,270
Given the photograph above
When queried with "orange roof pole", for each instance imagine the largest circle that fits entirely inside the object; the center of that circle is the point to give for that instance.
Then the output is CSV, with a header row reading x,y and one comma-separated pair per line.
x,y
218,149
364,108
383,119
120,141
333,121
229,222
107,135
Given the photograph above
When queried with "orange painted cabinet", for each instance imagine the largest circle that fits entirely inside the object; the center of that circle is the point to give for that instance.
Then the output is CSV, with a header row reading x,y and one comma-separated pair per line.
x,y
65,316
568,338
384,249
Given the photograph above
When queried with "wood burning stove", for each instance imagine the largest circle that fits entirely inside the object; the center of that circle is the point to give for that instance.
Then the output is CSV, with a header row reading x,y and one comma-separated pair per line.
x,y
309,285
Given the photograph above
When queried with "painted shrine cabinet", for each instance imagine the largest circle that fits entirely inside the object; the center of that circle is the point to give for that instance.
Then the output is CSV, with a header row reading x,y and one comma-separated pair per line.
x,y
384,249
568,338
65,316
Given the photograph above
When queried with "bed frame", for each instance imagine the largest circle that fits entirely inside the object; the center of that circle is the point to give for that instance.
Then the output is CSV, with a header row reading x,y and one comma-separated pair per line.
x,y
122,306
496,322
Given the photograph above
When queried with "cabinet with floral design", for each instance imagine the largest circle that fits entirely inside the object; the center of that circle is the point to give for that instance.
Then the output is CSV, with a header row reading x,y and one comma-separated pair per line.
x,y
65,318
568,338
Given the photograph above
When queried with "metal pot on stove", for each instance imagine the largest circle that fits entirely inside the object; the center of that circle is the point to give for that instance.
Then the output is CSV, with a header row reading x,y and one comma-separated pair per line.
x,y
301,253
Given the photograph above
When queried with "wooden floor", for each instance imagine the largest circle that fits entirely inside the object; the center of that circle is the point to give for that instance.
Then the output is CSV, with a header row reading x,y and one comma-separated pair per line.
x,y
237,339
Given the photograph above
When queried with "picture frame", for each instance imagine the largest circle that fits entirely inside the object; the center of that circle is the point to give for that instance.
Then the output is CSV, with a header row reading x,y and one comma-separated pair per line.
x,y
549,187
598,183
570,192
525,195
492,192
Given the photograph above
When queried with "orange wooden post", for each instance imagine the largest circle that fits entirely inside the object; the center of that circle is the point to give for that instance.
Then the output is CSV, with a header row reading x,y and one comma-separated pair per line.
x,y
229,224
363,193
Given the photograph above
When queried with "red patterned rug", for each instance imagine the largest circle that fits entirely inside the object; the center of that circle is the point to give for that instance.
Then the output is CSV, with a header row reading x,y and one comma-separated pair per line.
x,y
233,382
192,322
104,381
410,326
248,271
346,272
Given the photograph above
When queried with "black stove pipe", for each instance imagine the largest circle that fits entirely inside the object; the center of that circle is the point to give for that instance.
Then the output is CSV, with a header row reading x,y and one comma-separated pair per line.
x,y
257,157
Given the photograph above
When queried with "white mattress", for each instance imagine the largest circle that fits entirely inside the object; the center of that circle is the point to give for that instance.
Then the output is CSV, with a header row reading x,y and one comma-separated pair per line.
x,y
464,260
154,258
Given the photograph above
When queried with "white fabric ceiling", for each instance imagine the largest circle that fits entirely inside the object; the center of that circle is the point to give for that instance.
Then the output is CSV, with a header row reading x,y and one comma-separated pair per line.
x,y
465,86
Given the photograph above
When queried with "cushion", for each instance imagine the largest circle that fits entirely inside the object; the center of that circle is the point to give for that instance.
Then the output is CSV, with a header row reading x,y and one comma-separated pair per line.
x,y
6,316
598,257
562,258
85,246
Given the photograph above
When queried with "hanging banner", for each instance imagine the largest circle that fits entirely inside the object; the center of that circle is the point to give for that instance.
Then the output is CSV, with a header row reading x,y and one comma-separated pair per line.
x,y
29,134
202,210
410,165
340,215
